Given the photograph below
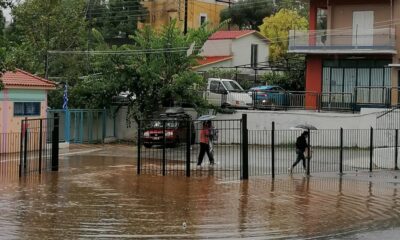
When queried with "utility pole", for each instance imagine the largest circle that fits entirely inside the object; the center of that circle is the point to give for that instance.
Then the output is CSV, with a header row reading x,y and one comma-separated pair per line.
x,y
185,24
229,6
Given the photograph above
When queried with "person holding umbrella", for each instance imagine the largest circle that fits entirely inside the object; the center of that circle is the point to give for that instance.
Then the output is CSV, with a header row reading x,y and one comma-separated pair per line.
x,y
301,146
205,135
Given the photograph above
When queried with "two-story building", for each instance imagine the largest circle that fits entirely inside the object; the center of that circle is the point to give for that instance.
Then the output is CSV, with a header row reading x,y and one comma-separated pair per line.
x,y
351,50
161,12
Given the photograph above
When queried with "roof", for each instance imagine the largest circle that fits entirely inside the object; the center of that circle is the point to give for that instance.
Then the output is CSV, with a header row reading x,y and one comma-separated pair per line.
x,y
22,79
220,35
204,61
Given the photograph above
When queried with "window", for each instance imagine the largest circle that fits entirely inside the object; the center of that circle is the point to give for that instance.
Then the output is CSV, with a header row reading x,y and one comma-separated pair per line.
x,y
254,55
232,86
26,108
203,18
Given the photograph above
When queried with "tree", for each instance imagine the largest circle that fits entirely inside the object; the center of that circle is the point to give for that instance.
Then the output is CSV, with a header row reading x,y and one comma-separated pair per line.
x,y
248,14
296,5
116,19
42,25
163,78
276,28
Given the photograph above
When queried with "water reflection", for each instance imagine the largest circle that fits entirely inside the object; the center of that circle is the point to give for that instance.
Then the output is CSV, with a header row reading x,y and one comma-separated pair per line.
x,y
99,196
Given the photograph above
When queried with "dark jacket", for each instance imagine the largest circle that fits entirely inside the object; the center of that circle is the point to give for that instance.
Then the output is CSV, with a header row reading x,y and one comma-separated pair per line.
x,y
301,143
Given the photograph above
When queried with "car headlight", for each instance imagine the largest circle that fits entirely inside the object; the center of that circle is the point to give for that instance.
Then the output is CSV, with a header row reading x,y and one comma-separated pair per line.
x,y
146,134
169,134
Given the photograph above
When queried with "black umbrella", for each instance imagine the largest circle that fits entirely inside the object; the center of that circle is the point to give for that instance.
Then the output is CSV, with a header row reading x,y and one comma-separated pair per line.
x,y
306,126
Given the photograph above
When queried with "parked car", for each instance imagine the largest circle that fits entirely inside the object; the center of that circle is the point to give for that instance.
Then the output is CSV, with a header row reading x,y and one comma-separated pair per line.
x,y
176,121
269,96
227,93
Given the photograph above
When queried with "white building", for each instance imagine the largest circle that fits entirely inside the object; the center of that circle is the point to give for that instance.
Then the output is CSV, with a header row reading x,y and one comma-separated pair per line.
x,y
234,48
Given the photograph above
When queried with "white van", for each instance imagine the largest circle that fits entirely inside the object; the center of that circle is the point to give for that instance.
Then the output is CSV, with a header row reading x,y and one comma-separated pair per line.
x,y
227,93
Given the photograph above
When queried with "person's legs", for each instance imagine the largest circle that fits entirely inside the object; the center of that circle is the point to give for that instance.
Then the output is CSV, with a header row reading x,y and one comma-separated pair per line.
x,y
298,159
304,161
210,155
203,148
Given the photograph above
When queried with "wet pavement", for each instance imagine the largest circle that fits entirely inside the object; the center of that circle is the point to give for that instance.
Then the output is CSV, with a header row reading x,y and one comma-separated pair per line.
x,y
97,194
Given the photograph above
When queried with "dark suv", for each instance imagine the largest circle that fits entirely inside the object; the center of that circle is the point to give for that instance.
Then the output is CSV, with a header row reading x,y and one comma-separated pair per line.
x,y
176,122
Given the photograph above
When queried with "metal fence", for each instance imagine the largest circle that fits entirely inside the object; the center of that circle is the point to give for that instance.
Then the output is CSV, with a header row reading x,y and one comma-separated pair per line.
x,y
240,152
33,150
168,147
308,100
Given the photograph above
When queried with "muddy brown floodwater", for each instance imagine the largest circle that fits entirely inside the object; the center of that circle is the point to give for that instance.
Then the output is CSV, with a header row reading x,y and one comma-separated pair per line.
x,y
97,194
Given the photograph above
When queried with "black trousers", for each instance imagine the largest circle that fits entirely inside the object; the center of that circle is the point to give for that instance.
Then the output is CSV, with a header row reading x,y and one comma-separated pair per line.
x,y
205,148
300,156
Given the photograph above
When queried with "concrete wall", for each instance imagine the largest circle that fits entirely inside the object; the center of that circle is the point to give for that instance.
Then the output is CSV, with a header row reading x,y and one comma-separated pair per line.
x,y
221,47
241,49
356,128
341,16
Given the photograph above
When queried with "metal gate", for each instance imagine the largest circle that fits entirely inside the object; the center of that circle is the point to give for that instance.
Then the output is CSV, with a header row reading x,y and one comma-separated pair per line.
x,y
81,125
172,147
39,150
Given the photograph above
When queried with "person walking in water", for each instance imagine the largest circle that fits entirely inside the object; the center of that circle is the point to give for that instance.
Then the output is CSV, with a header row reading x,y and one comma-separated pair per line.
x,y
301,146
205,134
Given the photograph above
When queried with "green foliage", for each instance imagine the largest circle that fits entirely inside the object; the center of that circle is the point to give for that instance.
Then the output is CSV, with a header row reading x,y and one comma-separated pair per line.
x,y
299,6
162,79
290,81
41,25
116,19
276,28
248,14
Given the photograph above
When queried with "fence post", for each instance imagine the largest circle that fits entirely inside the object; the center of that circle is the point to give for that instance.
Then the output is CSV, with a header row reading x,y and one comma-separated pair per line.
x,y
371,148
55,144
40,144
21,148
245,148
104,126
341,151
309,152
396,151
25,143
139,144
188,145
273,149
163,150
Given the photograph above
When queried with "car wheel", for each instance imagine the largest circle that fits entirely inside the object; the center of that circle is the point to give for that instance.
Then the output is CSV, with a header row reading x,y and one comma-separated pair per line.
x,y
146,145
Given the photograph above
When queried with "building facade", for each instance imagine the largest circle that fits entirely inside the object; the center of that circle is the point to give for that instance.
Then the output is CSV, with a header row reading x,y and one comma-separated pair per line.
x,y
231,49
24,96
351,50
161,12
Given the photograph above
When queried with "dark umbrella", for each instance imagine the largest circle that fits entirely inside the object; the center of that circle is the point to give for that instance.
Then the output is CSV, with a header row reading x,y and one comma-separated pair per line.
x,y
306,126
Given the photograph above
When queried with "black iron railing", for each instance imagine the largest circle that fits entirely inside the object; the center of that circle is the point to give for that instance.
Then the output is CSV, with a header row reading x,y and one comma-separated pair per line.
x,y
239,152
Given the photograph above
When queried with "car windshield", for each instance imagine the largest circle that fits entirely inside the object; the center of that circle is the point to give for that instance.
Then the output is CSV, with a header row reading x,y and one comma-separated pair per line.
x,y
232,86
168,124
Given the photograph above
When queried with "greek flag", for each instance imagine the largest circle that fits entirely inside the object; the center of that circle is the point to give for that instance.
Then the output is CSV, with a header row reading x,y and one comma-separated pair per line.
x,y
65,97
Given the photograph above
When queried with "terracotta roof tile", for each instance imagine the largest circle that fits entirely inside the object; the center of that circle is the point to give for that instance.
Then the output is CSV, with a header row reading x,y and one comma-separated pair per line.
x,y
210,60
20,78
230,34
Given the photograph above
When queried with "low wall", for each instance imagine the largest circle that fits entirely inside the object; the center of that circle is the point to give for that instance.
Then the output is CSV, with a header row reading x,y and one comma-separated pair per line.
x,y
261,120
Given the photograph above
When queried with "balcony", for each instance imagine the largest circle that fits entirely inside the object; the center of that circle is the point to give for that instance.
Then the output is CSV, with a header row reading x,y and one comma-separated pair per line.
x,y
373,41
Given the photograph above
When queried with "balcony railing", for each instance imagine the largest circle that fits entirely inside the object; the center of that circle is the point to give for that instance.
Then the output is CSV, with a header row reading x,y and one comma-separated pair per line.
x,y
380,40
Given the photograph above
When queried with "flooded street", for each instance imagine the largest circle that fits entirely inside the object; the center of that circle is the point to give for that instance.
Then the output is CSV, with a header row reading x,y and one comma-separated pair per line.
x,y
97,194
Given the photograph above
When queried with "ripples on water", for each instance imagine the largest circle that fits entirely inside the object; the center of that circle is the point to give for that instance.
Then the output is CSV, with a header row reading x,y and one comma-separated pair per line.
x,y
101,197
